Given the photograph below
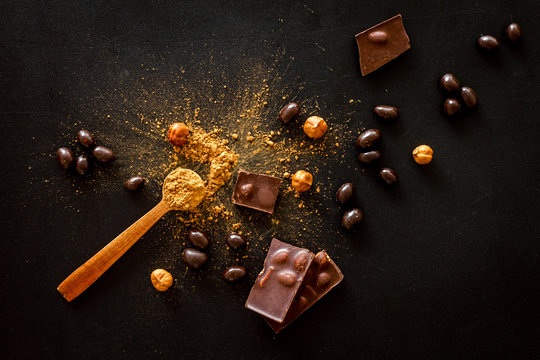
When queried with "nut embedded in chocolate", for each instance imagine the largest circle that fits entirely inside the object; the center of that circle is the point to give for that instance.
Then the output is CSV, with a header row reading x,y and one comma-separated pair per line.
x,y
381,44
256,191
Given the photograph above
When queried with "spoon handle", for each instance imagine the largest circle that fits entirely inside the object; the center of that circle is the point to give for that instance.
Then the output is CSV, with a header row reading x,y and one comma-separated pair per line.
x,y
91,270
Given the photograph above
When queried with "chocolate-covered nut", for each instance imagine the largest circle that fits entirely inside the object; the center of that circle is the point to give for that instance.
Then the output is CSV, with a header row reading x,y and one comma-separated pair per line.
x,y
281,256
233,273
513,32
301,260
235,241
322,280
369,156
197,238
368,138
85,138
81,164
488,42
134,183
386,112
449,82
388,175
378,37
351,218
451,107
289,112
194,258
469,97
103,155
65,157
345,192
286,278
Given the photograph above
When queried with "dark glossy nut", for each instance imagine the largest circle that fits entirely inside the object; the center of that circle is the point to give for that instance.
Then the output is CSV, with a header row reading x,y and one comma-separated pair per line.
x,y
368,138
81,164
286,278
85,138
351,218
322,280
451,107
197,238
233,273
178,133
386,112
65,157
289,112
388,175
369,156
345,193
449,82
300,261
236,241
103,155
488,42
513,32
469,97
194,258
377,37
134,183
281,256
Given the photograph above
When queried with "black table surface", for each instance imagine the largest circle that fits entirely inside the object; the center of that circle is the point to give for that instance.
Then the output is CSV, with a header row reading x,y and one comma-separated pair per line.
x,y
445,265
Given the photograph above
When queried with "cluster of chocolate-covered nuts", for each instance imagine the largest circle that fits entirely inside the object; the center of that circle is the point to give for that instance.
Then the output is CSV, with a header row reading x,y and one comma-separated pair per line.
x,y
314,126
351,217
82,163
489,42
452,105
366,143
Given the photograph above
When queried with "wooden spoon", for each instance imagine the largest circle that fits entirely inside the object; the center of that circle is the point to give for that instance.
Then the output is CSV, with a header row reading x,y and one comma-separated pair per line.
x,y
183,189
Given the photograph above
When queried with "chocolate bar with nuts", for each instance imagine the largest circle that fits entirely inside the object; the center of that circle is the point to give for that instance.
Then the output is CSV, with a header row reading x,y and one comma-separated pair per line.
x,y
276,286
322,276
256,191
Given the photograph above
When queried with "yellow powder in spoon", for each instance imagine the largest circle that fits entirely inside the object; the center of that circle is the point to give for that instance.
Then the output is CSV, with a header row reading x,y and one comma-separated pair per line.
x,y
183,189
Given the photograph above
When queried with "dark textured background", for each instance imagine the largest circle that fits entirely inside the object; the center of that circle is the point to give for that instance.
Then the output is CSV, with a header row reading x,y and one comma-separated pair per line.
x,y
447,265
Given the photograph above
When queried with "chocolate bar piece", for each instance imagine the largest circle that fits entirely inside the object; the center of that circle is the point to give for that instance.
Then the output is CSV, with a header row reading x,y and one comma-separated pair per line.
x,y
322,276
284,270
256,191
382,43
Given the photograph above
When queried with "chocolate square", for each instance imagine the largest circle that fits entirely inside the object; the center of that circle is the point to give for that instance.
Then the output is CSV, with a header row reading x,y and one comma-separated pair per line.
x,y
284,270
322,276
256,191
382,43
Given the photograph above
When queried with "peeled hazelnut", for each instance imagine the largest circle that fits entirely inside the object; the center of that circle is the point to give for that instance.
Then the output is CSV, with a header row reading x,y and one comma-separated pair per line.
x,y
315,127
302,181
177,134
423,154
161,279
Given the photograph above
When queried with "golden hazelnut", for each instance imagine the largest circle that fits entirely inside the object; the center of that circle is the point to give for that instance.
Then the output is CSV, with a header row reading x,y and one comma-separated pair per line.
x,y
423,154
302,181
177,134
315,127
161,279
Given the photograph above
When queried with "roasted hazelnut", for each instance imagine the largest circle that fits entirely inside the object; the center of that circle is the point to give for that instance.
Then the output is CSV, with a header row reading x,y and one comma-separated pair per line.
x,y
315,127
177,134
302,181
423,154
161,279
